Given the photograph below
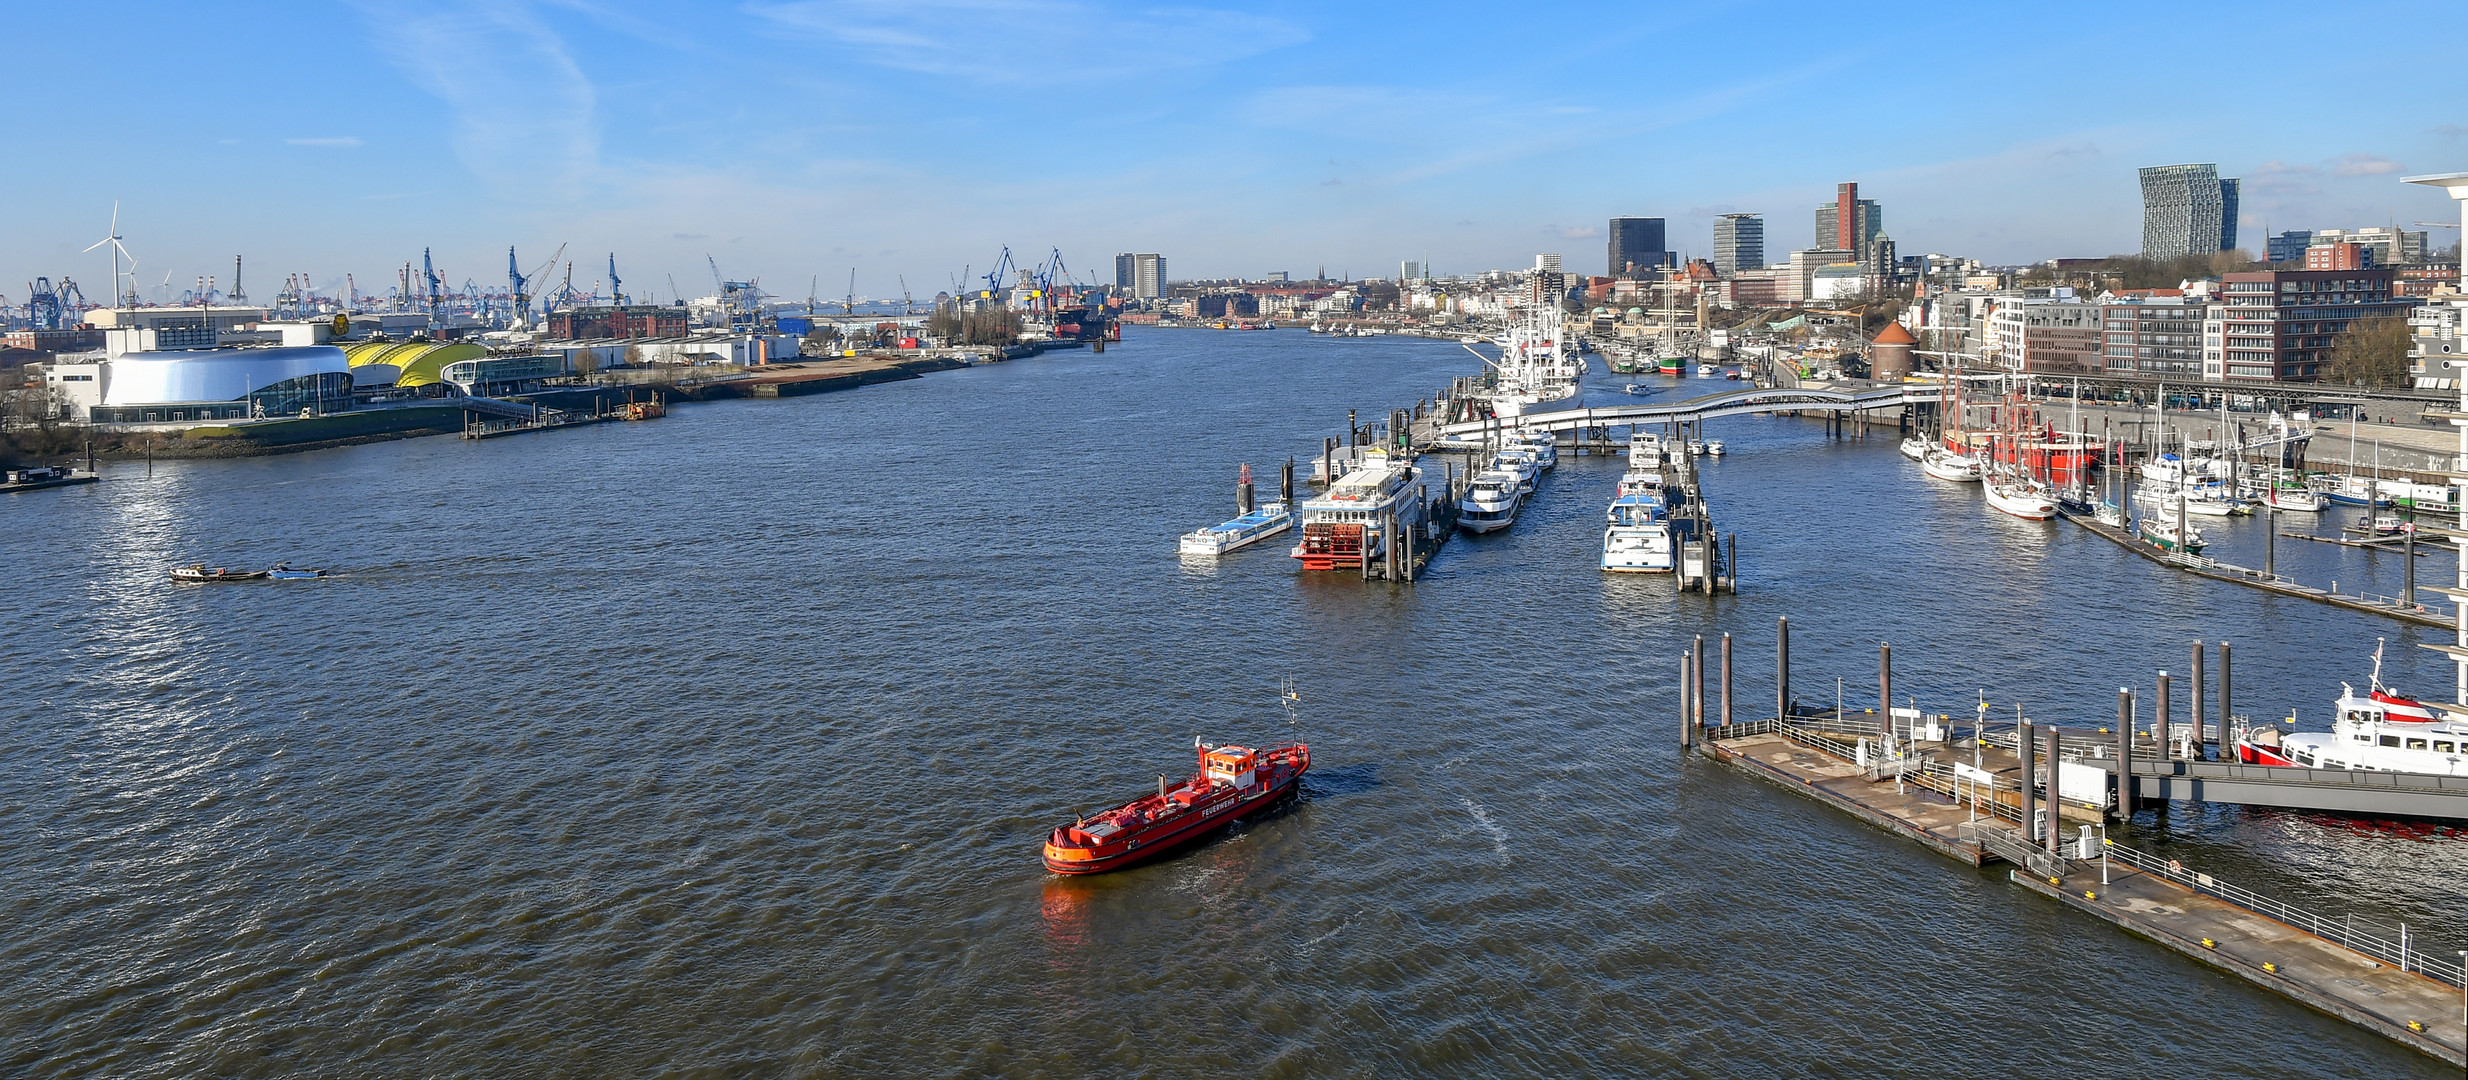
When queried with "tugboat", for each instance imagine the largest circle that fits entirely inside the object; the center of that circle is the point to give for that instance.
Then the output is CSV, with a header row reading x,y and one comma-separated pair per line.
x,y
1233,783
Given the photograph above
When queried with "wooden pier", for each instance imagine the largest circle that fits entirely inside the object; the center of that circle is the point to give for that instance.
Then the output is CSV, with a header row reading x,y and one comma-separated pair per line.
x,y
2265,581
1879,769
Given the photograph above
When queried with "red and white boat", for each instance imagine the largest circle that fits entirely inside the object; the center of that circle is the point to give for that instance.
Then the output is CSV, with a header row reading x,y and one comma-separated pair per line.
x,y
2382,731
1233,783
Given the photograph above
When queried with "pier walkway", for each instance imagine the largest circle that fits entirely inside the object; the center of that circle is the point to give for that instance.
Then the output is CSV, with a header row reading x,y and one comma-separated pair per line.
x,y
1849,398
2411,997
2401,1004
2418,613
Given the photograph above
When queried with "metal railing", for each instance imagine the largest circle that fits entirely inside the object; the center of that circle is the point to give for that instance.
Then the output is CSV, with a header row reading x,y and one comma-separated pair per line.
x,y
2402,952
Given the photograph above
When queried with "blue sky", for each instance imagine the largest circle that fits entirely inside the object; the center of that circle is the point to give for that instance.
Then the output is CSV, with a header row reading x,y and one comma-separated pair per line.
x,y
793,140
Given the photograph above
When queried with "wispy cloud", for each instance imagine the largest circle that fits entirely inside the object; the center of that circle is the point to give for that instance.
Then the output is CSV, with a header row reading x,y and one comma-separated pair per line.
x,y
324,140
523,111
2364,165
1023,41
1579,232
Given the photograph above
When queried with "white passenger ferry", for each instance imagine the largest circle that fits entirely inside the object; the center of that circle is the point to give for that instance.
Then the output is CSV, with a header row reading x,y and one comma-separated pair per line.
x,y
1347,524
2382,731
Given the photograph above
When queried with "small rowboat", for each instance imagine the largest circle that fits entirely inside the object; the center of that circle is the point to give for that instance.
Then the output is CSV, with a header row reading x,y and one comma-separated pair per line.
x,y
199,572
285,572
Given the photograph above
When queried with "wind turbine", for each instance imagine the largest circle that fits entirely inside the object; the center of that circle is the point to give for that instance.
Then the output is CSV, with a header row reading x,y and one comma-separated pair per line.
x,y
117,250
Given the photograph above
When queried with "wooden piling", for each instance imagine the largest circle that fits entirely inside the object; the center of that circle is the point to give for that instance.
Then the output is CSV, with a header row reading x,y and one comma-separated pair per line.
x,y
2026,747
2227,742
1726,679
2125,754
2408,565
1696,675
2161,725
2193,709
1782,666
2055,819
1885,685
1688,731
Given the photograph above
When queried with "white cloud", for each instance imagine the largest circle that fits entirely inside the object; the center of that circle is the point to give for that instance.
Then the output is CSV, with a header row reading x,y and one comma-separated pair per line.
x,y
1030,41
523,112
1580,232
2364,165
324,140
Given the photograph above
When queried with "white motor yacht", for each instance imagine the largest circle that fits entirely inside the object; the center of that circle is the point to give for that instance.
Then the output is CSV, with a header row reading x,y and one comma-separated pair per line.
x,y
1544,447
1947,465
1915,447
1638,538
1713,447
1491,501
2026,499
1519,463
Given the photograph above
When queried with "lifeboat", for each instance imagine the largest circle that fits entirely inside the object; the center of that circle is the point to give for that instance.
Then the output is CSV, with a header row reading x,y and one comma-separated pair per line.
x,y
1234,783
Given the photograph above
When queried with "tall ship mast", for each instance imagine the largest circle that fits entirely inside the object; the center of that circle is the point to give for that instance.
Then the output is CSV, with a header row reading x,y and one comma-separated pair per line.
x,y
1538,364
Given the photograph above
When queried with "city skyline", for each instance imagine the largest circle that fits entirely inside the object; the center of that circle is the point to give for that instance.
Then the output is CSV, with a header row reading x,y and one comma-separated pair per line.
x,y
801,140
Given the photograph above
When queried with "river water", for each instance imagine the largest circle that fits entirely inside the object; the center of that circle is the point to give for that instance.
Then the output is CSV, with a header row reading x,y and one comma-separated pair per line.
x,y
723,745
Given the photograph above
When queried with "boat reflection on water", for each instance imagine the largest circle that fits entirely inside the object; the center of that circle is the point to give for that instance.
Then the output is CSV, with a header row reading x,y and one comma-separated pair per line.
x,y
1066,908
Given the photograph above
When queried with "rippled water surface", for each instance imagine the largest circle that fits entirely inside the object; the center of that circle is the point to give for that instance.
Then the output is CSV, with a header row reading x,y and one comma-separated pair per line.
x,y
722,745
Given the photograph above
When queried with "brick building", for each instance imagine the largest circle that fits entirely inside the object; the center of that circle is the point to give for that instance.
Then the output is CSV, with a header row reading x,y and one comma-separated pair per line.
x,y
632,321
2280,325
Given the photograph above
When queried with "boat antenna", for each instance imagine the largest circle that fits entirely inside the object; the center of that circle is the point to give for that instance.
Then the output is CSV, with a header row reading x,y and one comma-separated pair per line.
x,y
1285,692
2377,664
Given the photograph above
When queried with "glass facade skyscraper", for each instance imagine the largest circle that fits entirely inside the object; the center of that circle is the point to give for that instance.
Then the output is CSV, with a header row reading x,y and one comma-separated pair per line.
x,y
1637,244
1739,243
2187,210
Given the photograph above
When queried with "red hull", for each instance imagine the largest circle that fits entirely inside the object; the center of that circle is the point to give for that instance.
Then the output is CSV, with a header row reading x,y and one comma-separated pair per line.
x,y
2261,755
1234,784
1172,839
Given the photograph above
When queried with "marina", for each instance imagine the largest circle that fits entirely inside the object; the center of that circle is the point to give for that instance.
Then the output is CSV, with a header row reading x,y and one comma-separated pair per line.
x,y
1904,771
1393,794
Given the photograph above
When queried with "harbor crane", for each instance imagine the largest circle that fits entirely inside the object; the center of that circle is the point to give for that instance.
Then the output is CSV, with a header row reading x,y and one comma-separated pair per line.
x,y
908,304
44,305
436,292
995,279
849,306
616,287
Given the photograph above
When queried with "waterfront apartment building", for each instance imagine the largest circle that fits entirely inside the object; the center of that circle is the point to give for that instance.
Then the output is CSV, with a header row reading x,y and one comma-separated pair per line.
x,y
1637,246
2153,332
1739,243
2044,331
2187,210
2280,325
1849,223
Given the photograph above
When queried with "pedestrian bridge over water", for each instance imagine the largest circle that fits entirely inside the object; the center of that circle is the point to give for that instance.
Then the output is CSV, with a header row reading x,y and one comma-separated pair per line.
x,y
1845,399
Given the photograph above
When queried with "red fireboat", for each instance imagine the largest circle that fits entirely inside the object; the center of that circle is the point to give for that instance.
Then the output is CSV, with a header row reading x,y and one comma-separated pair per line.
x,y
1233,783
